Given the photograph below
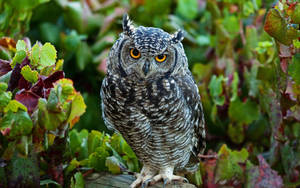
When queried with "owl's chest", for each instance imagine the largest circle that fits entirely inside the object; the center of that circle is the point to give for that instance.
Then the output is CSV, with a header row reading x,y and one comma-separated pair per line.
x,y
152,98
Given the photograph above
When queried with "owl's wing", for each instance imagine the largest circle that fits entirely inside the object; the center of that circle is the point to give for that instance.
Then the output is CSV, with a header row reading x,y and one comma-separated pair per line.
x,y
193,101
107,88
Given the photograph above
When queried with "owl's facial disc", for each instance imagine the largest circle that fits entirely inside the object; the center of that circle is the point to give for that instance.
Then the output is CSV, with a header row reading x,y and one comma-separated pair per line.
x,y
145,67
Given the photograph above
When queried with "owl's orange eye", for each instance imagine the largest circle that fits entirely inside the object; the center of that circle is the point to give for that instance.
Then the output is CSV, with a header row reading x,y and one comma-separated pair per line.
x,y
160,58
134,53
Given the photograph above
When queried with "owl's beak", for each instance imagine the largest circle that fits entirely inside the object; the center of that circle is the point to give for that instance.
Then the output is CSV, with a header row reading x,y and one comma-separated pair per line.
x,y
146,67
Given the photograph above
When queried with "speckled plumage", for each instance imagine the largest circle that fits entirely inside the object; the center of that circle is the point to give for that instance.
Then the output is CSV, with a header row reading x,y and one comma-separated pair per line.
x,y
159,113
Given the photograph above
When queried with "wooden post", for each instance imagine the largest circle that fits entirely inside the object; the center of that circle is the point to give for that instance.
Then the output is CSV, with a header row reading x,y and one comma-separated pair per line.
x,y
104,180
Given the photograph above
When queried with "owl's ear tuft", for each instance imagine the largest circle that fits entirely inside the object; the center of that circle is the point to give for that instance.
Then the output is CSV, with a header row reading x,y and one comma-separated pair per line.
x,y
128,27
177,36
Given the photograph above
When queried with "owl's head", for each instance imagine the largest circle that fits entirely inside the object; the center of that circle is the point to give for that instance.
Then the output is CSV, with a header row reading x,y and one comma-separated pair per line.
x,y
147,52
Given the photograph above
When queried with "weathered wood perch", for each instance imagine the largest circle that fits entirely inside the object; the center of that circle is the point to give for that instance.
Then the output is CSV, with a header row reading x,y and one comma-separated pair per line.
x,y
103,180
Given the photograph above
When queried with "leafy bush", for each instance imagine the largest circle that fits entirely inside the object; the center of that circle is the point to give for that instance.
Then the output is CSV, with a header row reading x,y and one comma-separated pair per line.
x,y
244,58
38,106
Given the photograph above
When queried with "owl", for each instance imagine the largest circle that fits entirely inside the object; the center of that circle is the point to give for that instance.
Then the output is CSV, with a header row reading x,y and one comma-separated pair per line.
x,y
150,97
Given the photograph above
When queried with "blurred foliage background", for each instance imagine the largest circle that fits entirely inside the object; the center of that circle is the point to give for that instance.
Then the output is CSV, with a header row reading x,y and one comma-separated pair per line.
x,y
249,81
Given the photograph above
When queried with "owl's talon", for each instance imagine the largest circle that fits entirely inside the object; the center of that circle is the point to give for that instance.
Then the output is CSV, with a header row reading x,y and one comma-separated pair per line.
x,y
137,175
146,183
167,178
185,180
166,181
144,177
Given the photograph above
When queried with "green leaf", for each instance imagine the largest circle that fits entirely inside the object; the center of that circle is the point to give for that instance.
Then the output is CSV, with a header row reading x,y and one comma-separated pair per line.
x,y
77,109
79,181
251,80
187,8
245,112
277,27
35,54
117,143
132,163
296,129
296,14
234,86
21,45
288,155
203,40
6,77
67,89
18,58
294,69
228,165
48,182
59,65
232,25
95,139
236,133
195,178
296,43
157,8
47,55
97,159
72,41
79,144
43,115
257,129
83,55
251,41
3,87
20,54
24,5
127,150
72,166
14,106
5,97
213,8
248,8
115,153
266,74
113,165
53,103
51,115
30,75
201,70
18,122
50,32
216,89
23,145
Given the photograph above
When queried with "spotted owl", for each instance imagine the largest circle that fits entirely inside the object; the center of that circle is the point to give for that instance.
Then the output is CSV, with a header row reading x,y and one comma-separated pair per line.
x,y
151,98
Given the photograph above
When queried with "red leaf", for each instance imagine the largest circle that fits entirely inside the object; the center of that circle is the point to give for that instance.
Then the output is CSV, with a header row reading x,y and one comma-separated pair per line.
x,y
4,67
209,178
24,84
267,177
102,66
5,131
14,78
28,98
38,88
48,82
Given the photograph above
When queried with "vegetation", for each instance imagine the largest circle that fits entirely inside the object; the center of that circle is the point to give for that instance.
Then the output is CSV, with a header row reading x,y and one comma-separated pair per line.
x,y
244,56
